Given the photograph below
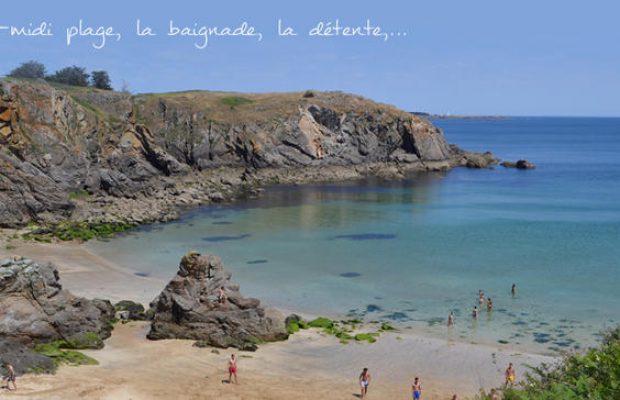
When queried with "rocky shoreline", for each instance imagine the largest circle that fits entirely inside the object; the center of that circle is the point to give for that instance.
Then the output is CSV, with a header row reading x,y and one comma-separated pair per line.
x,y
83,155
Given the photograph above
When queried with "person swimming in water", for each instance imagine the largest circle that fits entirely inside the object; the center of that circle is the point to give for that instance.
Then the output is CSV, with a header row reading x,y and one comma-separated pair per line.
x,y
416,386
510,375
364,382
451,319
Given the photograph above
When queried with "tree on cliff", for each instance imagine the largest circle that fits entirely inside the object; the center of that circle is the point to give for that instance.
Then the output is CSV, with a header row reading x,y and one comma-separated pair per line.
x,y
29,69
101,80
74,76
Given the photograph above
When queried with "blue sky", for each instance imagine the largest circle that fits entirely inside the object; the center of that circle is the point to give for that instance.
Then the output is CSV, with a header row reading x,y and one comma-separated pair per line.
x,y
461,57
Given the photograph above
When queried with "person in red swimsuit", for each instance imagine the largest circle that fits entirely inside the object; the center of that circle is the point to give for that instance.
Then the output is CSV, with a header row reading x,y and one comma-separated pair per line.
x,y
232,368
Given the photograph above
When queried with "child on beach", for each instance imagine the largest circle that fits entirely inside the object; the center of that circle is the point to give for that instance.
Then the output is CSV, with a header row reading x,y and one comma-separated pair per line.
x,y
416,386
232,368
10,378
364,380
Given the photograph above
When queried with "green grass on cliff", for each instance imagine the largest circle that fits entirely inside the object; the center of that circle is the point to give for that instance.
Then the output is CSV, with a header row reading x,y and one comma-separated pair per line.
x,y
593,375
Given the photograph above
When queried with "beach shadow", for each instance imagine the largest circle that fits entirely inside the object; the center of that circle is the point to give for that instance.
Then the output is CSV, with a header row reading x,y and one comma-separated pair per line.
x,y
359,396
226,381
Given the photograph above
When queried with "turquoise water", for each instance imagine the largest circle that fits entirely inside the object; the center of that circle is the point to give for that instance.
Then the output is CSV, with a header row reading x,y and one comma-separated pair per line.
x,y
411,251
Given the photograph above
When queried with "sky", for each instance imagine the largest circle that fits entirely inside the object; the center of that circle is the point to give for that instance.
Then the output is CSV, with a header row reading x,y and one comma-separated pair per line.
x,y
544,57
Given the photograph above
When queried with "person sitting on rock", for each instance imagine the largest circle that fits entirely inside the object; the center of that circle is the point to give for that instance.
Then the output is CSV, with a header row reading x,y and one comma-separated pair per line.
x,y
10,376
222,296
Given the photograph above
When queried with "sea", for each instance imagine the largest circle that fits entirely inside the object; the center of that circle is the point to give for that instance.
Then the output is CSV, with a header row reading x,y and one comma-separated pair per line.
x,y
409,252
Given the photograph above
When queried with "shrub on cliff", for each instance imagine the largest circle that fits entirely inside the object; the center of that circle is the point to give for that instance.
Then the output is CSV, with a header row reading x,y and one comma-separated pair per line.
x,y
29,70
593,375
73,76
101,80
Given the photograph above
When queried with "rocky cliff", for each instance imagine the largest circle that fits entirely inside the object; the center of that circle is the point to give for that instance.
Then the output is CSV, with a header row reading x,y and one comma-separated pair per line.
x,y
89,155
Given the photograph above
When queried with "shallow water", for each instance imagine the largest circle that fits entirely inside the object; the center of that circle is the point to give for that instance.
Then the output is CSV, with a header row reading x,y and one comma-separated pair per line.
x,y
411,251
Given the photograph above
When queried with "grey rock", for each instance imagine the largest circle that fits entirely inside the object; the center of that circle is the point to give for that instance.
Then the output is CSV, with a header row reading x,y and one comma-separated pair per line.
x,y
34,308
188,308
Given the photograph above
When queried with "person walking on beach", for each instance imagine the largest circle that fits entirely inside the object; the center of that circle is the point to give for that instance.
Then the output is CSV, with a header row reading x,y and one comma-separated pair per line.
x,y
450,319
416,386
232,368
10,378
510,375
364,380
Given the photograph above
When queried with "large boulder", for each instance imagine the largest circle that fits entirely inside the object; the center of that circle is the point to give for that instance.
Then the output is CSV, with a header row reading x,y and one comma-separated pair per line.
x,y
189,308
34,308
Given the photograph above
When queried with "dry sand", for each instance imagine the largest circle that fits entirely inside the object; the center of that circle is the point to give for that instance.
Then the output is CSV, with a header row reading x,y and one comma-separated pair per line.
x,y
310,365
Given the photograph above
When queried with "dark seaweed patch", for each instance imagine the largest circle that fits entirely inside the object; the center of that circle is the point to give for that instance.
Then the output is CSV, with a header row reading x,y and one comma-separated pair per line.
x,y
373,308
541,337
257,262
397,316
367,236
141,274
225,238
222,223
350,274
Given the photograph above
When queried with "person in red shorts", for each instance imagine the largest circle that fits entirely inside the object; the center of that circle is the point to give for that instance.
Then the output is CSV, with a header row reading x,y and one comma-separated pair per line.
x,y
232,368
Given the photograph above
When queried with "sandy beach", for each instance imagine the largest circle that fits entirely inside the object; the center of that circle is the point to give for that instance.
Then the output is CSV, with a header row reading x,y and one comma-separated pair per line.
x,y
309,365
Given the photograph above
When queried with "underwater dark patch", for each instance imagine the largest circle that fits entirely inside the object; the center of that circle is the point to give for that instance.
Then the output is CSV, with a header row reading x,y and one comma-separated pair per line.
x,y
367,236
373,308
225,238
350,274
141,274
222,223
397,316
257,262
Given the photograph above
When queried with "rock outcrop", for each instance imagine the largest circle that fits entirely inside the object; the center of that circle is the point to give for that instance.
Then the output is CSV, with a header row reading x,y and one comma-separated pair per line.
x,y
34,308
521,164
82,154
189,308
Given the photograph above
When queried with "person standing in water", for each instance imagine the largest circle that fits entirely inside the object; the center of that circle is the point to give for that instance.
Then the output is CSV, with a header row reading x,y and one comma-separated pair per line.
x,y
450,319
416,386
364,380
474,313
510,375
480,296
513,290
489,305
232,368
